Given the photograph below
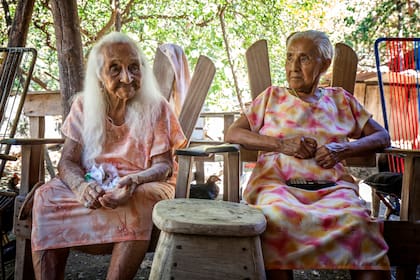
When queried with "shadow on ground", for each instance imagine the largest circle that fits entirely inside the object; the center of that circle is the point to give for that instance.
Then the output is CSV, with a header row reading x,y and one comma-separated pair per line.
x,y
83,266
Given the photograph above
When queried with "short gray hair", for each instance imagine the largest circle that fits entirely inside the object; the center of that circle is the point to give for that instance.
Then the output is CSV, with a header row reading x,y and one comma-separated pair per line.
x,y
321,40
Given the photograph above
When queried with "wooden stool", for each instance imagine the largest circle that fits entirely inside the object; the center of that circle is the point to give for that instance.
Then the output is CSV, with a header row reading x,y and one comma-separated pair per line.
x,y
207,239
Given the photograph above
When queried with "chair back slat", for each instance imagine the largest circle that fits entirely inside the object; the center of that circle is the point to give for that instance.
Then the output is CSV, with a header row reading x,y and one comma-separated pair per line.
x,y
258,65
172,72
201,80
164,73
344,67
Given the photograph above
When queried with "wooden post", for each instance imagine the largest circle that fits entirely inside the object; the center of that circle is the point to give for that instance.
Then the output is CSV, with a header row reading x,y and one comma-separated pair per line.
x,y
20,26
69,49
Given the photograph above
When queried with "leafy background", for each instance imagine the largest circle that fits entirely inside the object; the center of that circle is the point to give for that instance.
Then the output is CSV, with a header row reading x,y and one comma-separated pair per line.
x,y
221,30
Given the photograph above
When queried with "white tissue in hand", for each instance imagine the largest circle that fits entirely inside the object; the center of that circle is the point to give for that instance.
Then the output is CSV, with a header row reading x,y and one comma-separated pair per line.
x,y
106,175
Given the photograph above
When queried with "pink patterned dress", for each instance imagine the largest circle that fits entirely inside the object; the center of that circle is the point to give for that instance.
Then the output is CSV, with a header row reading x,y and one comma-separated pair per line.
x,y
325,229
59,220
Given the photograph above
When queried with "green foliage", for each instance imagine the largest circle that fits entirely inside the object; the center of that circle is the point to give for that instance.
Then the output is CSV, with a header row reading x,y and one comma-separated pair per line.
x,y
205,27
386,18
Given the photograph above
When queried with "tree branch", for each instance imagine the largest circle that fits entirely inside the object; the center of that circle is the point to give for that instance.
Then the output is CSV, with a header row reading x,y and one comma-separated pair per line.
x,y
227,48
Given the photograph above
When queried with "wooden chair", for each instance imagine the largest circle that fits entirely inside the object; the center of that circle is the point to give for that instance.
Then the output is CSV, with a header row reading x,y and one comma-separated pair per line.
x,y
171,66
16,67
399,88
32,172
398,68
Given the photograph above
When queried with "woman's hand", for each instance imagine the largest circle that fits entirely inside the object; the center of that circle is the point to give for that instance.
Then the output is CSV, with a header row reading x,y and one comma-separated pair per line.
x,y
159,171
329,155
116,197
299,146
122,191
90,195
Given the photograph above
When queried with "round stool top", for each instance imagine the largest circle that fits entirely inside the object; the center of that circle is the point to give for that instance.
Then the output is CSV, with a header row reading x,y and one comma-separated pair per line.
x,y
208,217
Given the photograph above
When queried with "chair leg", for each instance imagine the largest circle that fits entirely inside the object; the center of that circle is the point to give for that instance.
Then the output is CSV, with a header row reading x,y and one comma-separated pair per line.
x,y
406,272
376,202
199,171
388,213
23,262
3,272
377,197
390,206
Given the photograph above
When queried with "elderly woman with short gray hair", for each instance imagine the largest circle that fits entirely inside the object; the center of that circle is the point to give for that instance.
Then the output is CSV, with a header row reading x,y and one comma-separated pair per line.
x,y
315,217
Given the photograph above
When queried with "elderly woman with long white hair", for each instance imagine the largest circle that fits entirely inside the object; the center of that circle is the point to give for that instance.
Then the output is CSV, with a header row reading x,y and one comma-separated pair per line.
x,y
117,162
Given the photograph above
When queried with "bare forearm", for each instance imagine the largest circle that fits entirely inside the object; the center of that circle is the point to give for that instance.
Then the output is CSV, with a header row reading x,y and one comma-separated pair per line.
x,y
253,141
375,142
71,174
299,146
70,167
158,172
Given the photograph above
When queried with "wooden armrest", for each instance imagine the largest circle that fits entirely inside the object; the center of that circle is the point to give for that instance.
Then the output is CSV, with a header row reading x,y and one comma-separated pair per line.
x,y
206,150
218,114
199,142
7,157
368,160
402,152
31,141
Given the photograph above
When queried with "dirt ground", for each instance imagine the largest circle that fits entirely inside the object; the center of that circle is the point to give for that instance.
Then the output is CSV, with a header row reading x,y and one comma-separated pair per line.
x,y
82,266
90,267
94,267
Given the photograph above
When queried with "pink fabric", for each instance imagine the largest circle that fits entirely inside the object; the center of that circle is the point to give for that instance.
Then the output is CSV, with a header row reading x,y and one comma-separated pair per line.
x,y
59,220
325,229
180,66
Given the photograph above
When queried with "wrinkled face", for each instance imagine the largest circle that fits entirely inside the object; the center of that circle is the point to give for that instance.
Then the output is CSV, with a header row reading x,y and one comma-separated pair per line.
x,y
121,73
303,65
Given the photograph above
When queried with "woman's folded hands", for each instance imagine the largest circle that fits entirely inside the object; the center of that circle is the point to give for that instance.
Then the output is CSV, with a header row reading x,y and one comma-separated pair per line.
x,y
326,156
122,191
299,146
329,154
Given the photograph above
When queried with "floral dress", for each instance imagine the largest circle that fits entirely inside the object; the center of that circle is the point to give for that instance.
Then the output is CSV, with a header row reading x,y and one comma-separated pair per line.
x,y
60,220
322,229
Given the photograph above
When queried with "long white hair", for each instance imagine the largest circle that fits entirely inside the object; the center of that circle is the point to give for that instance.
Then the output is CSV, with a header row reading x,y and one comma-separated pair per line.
x,y
142,109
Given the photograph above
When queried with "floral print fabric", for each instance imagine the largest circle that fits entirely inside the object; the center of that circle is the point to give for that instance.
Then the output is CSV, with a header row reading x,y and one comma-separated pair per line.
x,y
325,229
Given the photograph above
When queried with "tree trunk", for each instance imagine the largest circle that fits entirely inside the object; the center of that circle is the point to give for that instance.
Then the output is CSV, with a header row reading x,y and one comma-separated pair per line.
x,y
20,26
69,49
